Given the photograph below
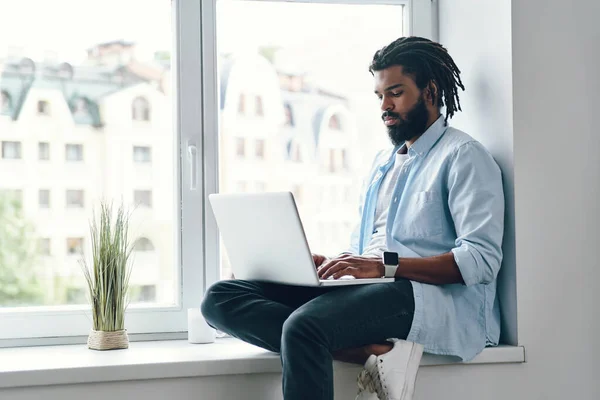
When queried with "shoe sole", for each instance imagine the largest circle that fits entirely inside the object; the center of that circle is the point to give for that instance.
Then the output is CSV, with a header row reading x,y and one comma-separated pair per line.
x,y
414,361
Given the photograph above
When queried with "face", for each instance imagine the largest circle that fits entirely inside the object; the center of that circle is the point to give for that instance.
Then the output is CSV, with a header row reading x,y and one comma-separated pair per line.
x,y
406,110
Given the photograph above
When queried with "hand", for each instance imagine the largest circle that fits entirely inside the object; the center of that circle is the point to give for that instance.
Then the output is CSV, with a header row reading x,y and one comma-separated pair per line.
x,y
349,264
319,259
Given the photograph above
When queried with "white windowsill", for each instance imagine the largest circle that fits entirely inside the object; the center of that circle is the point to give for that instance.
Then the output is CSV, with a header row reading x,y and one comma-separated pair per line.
x,y
59,365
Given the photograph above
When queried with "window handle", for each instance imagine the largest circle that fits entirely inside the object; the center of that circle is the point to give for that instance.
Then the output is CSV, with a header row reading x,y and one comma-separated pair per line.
x,y
193,160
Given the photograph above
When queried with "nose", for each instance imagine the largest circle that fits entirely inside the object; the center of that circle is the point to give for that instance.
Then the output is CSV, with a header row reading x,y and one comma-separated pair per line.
x,y
386,104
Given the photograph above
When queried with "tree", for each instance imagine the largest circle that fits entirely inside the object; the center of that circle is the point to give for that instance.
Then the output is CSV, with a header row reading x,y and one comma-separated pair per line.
x,y
19,285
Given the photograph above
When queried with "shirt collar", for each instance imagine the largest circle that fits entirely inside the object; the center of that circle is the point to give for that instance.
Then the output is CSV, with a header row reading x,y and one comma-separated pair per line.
x,y
426,141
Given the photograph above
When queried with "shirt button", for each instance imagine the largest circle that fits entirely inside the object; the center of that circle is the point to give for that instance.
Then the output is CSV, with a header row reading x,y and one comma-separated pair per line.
x,y
396,199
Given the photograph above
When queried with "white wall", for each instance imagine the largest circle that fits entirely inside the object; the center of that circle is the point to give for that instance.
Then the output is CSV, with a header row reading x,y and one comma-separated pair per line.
x,y
555,58
481,48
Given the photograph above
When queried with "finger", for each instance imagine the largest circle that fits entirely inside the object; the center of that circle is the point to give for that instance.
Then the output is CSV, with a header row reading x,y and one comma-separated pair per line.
x,y
346,271
334,268
325,267
345,255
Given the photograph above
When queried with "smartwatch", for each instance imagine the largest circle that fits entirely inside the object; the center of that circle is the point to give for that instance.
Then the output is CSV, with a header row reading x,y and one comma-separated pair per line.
x,y
390,263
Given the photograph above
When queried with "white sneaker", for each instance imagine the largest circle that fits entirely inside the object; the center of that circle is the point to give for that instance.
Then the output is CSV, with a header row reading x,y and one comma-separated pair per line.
x,y
392,375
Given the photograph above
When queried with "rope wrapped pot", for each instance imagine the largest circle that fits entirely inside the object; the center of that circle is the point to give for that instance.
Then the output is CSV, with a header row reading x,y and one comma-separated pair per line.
x,y
100,340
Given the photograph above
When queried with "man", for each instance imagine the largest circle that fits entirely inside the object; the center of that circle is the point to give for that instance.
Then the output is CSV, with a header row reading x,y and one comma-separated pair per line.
x,y
435,205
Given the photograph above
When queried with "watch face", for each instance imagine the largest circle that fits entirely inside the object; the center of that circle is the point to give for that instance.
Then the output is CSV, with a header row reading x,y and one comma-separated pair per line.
x,y
390,258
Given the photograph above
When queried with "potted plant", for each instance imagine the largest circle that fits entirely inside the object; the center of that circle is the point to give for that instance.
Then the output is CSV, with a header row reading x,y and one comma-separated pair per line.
x,y
107,278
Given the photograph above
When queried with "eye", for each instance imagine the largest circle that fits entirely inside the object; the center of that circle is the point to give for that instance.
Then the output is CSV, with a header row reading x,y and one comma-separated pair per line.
x,y
397,94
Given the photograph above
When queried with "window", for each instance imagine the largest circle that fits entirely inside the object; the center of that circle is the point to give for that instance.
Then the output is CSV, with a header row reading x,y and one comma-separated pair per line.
x,y
334,123
185,147
43,151
43,107
259,106
44,198
142,198
74,152
80,106
332,160
296,153
242,104
260,148
240,147
75,246
345,163
75,198
289,115
305,81
142,154
44,246
5,102
140,109
11,150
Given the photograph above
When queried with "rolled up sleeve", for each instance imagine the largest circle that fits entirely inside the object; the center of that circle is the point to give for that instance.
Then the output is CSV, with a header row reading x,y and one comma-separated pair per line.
x,y
476,203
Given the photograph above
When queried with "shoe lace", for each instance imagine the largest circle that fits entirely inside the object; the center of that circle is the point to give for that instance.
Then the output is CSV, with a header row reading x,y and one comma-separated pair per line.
x,y
367,382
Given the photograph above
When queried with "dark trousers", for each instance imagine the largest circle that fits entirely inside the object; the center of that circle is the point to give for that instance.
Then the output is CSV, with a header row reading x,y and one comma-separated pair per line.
x,y
306,324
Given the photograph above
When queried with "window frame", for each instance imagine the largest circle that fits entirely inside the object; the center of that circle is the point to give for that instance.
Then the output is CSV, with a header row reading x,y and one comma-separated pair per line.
x,y
45,325
195,125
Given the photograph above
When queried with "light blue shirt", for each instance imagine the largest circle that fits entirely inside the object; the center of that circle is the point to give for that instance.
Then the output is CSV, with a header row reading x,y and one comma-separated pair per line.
x,y
448,197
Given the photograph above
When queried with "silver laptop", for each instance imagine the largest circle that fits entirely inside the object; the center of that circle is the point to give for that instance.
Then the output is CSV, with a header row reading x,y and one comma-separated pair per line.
x,y
265,240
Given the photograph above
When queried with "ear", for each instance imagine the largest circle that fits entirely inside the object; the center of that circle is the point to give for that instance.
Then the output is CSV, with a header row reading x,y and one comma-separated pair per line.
x,y
431,93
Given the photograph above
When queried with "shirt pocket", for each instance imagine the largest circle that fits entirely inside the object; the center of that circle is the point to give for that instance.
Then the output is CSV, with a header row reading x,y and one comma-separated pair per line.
x,y
422,216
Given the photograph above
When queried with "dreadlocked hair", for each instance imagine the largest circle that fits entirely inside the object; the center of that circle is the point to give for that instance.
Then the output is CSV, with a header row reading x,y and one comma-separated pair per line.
x,y
429,64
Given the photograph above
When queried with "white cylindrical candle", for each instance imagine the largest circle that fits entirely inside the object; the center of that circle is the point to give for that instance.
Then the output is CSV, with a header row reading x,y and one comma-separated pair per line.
x,y
198,330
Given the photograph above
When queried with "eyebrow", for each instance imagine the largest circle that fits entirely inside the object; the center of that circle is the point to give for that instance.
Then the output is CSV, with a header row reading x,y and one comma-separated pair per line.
x,y
391,87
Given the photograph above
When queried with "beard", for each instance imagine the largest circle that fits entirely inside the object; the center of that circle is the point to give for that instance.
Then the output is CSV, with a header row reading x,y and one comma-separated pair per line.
x,y
412,126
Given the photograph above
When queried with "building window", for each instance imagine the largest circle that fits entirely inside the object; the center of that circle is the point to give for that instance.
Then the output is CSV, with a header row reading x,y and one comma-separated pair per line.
x,y
289,115
240,147
75,198
331,160
75,246
43,107
296,153
44,198
142,198
142,154
140,109
11,150
345,164
258,105
143,244
334,122
43,246
5,102
43,151
80,107
242,104
260,149
74,152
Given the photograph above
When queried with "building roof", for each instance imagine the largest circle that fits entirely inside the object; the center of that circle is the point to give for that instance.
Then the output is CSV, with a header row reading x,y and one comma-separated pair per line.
x,y
88,84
